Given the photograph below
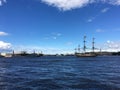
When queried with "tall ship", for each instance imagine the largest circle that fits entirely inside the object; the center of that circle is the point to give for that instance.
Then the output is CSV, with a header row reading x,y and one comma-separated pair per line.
x,y
78,53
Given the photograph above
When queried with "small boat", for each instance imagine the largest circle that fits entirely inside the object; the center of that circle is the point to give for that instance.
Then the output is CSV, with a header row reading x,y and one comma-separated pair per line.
x,y
86,54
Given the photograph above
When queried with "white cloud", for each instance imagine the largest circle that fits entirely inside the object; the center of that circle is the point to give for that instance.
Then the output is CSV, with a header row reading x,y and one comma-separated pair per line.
x,y
100,30
5,45
113,2
118,2
53,35
72,4
104,10
111,46
91,19
94,17
2,2
3,33
67,4
56,35
69,43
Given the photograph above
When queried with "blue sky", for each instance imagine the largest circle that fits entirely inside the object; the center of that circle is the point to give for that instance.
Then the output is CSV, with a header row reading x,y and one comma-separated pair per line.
x,y
58,26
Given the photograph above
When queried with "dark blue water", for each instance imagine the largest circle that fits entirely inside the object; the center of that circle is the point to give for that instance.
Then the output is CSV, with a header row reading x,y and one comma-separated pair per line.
x,y
60,73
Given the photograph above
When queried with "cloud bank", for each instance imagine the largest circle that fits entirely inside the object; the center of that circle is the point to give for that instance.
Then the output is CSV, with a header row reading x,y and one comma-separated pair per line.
x,y
112,46
5,45
104,10
3,33
72,4
67,4
2,2
109,46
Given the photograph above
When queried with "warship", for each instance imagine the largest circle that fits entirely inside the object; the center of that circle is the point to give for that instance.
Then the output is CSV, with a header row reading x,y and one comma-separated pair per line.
x,y
84,53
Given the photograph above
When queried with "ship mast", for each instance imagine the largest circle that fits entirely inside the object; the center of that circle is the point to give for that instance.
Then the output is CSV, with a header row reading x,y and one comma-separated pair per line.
x,y
84,48
79,48
93,45
13,53
75,50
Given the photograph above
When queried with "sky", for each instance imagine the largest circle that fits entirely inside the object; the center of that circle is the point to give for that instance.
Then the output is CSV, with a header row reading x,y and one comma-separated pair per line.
x,y
58,26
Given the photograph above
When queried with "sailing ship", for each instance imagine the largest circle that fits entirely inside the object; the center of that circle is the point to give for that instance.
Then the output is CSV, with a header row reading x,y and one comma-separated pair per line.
x,y
84,53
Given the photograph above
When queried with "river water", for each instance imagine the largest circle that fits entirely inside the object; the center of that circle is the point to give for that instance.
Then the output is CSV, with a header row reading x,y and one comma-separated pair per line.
x,y
60,73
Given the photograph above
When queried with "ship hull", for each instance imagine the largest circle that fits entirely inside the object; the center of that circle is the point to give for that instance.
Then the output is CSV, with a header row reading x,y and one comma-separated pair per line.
x,y
85,55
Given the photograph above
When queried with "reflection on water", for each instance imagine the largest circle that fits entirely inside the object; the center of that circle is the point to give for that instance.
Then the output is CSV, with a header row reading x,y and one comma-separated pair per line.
x,y
60,73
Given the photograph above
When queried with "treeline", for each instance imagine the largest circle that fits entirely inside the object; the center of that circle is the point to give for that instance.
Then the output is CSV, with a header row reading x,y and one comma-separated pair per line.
x,y
116,53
